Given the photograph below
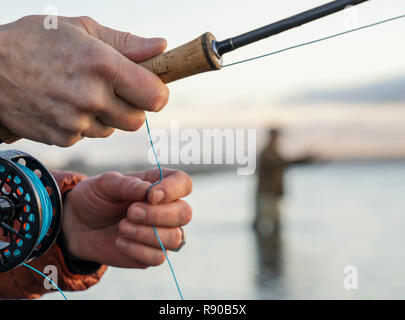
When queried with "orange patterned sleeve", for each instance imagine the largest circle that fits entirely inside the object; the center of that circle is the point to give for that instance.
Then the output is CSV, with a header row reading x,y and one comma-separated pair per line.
x,y
73,275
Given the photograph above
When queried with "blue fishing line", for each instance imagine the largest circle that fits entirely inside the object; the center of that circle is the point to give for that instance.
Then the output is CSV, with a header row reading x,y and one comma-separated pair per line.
x,y
45,201
235,63
317,40
154,229
47,213
39,272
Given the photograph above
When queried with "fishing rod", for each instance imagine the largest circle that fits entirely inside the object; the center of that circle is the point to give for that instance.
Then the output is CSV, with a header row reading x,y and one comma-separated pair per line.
x,y
205,53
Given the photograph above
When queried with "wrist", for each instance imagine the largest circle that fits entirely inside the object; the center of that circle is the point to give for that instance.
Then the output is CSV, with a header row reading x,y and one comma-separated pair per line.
x,y
68,242
69,233
74,264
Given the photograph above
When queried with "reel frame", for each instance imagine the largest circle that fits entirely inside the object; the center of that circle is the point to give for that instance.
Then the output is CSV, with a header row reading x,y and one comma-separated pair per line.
x,y
21,210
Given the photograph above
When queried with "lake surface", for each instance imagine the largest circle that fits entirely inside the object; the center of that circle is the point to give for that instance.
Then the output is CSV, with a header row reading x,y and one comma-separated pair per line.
x,y
334,215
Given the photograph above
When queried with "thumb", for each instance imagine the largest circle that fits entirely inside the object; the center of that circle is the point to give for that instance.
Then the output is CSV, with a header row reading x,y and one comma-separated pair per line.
x,y
114,186
135,48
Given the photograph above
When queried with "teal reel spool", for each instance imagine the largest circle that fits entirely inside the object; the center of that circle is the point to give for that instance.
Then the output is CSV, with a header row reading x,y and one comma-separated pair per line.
x,y
30,209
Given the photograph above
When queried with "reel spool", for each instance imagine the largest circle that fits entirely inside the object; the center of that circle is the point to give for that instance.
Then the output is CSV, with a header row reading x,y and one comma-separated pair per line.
x,y
30,209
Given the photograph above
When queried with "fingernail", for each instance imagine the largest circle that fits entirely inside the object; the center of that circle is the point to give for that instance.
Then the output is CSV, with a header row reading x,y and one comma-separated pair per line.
x,y
158,196
138,214
154,41
122,243
129,228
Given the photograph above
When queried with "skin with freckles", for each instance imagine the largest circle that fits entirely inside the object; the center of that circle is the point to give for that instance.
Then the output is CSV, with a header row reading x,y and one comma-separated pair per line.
x,y
80,80
108,218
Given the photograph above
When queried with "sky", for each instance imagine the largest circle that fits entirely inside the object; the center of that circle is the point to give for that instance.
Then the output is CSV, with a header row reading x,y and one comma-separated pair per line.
x,y
360,57
253,94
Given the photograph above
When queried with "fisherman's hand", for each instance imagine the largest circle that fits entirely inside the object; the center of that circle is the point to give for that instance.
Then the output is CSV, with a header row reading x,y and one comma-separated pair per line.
x,y
79,80
108,220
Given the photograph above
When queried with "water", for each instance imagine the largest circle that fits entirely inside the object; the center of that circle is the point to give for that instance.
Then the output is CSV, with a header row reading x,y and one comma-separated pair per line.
x,y
333,215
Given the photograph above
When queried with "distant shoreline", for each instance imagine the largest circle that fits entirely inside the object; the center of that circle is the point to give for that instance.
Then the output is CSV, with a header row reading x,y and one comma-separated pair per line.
x,y
196,169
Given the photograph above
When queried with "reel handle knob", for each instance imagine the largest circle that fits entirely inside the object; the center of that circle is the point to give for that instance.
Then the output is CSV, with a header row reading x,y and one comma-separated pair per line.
x,y
196,56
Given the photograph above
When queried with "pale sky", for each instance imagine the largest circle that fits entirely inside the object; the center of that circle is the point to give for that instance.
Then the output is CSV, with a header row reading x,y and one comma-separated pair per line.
x,y
250,94
355,58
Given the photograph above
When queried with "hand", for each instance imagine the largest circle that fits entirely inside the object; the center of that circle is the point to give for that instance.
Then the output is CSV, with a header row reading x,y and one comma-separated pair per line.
x,y
80,80
108,220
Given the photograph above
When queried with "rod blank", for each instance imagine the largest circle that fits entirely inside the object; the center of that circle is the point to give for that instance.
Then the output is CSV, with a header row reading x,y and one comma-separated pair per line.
x,y
283,25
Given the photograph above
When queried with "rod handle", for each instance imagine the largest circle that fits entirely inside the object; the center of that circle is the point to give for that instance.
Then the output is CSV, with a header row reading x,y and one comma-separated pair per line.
x,y
194,57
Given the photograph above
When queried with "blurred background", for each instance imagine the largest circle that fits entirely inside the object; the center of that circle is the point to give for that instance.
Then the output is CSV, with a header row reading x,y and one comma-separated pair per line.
x,y
339,108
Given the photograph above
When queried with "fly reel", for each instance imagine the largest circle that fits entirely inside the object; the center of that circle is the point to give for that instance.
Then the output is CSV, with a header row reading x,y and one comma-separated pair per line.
x,y
30,209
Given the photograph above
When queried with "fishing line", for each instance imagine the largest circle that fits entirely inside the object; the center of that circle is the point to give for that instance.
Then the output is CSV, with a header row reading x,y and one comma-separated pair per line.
x,y
154,229
39,272
46,215
30,211
316,41
44,200
30,204
239,62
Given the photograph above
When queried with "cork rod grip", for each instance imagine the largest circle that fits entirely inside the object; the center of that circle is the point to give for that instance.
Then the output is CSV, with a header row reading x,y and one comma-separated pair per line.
x,y
195,57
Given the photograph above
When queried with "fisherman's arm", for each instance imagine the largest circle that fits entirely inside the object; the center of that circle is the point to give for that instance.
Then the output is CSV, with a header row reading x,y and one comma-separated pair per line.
x,y
108,220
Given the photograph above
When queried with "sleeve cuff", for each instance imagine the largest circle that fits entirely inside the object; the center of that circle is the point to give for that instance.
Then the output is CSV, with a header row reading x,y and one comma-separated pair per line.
x,y
73,264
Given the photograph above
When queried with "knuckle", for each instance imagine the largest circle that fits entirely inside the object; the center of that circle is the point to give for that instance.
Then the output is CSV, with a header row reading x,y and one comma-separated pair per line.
x,y
31,19
73,124
87,22
90,101
108,176
111,175
27,19
125,39
57,116
98,129
156,217
107,132
98,59
58,119
159,99
92,105
65,140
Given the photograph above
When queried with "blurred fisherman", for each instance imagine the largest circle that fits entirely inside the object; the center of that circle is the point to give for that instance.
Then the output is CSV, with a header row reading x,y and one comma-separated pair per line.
x,y
271,184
